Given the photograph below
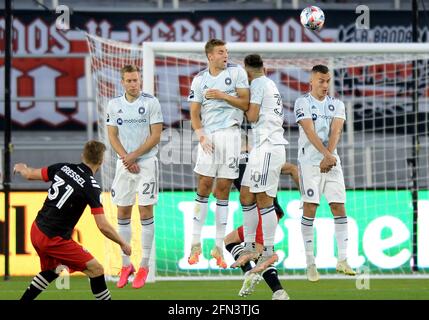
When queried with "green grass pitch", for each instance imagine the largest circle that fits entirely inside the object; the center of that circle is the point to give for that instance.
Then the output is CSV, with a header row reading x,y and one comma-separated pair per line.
x,y
325,289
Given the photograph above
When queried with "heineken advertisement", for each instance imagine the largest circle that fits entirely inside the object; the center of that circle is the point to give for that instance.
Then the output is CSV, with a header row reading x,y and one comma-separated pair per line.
x,y
380,233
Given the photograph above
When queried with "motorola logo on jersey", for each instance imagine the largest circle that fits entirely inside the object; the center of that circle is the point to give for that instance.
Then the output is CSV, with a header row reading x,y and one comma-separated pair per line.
x,y
119,121
331,107
228,81
314,117
141,110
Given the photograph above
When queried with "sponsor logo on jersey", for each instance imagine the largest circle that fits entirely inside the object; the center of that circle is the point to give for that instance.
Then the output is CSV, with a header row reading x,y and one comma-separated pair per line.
x,y
228,81
119,121
314,117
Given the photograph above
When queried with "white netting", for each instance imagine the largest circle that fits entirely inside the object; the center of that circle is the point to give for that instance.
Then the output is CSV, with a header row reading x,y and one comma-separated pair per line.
x,y
376,149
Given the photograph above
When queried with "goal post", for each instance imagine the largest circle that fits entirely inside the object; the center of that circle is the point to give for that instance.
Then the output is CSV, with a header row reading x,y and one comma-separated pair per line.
x,y
376,83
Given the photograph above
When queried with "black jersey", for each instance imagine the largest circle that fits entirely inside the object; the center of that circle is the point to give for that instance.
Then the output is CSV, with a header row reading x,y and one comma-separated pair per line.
x,y
73,188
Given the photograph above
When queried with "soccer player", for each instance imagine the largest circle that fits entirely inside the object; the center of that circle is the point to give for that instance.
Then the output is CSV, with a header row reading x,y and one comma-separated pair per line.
x,y
219,95
73,187
266,158
321,119
134,125
234,239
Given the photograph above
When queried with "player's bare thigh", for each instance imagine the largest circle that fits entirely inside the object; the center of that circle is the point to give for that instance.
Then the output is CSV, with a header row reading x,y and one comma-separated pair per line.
x,y
93,268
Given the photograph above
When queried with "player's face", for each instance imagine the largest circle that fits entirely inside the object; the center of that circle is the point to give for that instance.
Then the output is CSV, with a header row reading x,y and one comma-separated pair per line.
x,y
218,57
132,83
320,84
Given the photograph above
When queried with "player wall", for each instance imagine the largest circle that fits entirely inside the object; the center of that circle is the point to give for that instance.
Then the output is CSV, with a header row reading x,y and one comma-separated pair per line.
x,y
380,237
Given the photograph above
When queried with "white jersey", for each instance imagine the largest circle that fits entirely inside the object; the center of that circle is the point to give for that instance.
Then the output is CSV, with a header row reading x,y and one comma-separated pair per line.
x,y
322,113
218,114
133,121
264,92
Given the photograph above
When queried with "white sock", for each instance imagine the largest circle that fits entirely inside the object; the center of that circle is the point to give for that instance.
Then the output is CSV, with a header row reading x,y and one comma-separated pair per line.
x,y
269,226
341,234
250,223
200,214
148,228
124,230
308,237
221,220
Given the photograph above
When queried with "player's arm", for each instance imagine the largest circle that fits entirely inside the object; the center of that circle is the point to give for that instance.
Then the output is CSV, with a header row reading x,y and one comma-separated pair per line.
x,y
198,127
292,170
108,231
335,133
113,133
252,114
28,172
307,125
151,141
241,102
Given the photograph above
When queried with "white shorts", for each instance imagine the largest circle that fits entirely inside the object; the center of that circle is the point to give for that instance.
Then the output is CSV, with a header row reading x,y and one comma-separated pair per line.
x,y
313,184
263,168
223,162
126,185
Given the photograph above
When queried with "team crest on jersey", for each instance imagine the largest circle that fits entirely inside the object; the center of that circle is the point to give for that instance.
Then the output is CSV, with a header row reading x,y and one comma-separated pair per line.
x,y
141,110
113,193
331,107
314,117
310,192
228,81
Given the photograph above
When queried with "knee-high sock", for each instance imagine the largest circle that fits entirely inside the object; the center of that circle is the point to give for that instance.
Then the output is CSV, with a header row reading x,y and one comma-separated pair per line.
x,y
341,235
269,225
200,214
235,249
148,227
221,220
124,230
308,237
39,284
250,223
99,288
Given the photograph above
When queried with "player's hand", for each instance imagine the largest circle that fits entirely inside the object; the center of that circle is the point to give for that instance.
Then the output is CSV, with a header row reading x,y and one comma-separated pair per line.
x,y
215,94
206,144
134,168
330,160
129,159
17,168
126,248
324,168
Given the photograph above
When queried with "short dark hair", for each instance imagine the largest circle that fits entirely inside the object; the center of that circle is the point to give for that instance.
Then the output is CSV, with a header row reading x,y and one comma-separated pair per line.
x,y
212,43
320,68
253,61
129,68
93,152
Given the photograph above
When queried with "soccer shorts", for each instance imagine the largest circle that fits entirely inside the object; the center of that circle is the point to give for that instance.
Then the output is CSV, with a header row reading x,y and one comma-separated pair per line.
x,y
57,251
223,161
263,168
313,184
126,185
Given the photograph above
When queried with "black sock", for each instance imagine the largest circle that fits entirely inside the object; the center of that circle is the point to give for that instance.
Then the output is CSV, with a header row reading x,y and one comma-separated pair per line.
x,y
272,279
39,284
235,249
99,288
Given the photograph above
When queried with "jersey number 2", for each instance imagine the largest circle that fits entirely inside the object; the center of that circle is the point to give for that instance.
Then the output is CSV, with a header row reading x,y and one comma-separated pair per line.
x,y
56,191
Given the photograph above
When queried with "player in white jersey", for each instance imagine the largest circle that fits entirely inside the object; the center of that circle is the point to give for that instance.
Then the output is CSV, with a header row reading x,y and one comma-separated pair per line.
x,y
266,158
218,97
321,119
134,124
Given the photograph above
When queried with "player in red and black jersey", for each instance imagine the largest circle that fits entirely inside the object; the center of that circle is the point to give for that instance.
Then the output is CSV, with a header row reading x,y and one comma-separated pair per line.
x,y
73,187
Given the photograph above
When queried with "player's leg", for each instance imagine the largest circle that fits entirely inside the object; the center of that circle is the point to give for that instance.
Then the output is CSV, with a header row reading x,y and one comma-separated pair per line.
x,y
233,244
147,199
123,195
310,181
39,284
336,196
271,277
95,271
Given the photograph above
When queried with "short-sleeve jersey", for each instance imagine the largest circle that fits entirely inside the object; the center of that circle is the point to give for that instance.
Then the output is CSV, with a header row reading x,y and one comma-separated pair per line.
x,y
264,92
218,114
133,121
322,113
73,188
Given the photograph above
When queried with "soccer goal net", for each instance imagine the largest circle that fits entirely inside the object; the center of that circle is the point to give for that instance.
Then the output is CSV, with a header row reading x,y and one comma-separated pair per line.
x,y
384,151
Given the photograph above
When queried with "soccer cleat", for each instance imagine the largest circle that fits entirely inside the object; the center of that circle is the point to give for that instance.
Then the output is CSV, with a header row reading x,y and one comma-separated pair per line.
x,y
195,253
280,295
125,273
249,283
216,253
344,267
264,262
140,278
312,273
245,256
